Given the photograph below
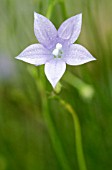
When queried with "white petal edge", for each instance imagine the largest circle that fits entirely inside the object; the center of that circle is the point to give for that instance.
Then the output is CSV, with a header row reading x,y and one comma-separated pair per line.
x,y
44,30
77,54
71,28
35,54
54,70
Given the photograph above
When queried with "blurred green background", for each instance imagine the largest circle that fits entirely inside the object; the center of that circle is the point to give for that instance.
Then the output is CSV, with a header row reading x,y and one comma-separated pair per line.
x,y
25,140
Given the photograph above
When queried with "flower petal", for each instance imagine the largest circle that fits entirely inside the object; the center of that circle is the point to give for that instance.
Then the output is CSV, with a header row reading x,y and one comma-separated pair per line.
x,y
77,54
45,31
70,29
54,70
35,54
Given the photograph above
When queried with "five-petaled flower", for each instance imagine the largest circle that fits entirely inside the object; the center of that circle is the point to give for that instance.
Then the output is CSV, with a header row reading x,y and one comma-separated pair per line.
x,y
56,48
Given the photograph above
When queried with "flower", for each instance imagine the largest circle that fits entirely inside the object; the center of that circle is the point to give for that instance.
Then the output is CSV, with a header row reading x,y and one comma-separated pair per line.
x,y
56,48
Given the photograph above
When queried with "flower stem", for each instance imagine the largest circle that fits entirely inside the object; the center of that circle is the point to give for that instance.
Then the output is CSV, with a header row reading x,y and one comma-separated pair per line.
x,y
79,148
56,143
55,140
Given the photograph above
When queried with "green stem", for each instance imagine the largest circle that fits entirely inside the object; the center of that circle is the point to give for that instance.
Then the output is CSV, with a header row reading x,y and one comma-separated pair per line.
x,y
56,144
79,148
55,140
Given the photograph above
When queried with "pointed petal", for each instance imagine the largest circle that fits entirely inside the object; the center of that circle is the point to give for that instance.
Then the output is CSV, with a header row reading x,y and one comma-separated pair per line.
x,y
70,29
45,31
54,70
77,54
35,54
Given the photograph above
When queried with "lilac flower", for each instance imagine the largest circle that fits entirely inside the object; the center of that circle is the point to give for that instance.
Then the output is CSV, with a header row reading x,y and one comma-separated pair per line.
x,y
56,48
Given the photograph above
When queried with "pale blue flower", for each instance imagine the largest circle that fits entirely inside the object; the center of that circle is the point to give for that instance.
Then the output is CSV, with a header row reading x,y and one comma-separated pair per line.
x,y
56,48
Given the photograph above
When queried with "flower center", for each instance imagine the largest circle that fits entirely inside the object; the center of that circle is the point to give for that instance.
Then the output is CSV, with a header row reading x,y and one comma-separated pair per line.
x,y
57,52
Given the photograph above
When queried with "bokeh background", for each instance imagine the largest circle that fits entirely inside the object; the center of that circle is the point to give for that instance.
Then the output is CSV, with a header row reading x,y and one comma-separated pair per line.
x,y
25,141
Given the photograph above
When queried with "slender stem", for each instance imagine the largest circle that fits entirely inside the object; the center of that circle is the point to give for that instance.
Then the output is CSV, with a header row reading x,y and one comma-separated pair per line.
x,y
55,140
79,148
56,144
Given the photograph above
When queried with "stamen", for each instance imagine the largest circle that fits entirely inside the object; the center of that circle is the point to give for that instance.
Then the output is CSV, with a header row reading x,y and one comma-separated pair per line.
x,y
58,46
55,52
